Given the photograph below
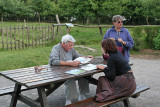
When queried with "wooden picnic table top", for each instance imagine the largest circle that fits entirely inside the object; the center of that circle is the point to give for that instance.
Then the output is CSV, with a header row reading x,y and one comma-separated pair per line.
x,y
27,76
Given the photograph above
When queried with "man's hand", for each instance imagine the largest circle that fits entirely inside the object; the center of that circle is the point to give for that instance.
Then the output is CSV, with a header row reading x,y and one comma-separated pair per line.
x,y
70,63
74,63
89,56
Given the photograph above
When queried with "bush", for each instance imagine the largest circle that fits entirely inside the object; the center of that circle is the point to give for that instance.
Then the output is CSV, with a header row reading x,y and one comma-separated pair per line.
x,y
144,37
139,38
151,33
156,41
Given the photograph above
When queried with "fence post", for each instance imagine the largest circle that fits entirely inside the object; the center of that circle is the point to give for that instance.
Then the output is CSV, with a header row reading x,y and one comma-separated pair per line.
x,y
42,35
2,37
32,35
48,33
53,33
19,37
15,37
36,35
23,37
28,36
7,37
11,38
39,35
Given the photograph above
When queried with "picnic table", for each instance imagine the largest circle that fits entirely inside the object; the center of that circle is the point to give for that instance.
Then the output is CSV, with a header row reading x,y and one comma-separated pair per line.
x,y
46,81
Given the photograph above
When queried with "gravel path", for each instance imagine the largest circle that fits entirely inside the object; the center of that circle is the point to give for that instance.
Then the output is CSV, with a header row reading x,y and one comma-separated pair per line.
x,y
146,71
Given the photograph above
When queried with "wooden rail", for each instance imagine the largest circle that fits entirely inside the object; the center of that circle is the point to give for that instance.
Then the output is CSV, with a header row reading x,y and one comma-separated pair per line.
x,y
20,37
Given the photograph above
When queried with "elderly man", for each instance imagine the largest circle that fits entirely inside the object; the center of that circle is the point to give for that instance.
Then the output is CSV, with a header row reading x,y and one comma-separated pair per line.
x,y
63,54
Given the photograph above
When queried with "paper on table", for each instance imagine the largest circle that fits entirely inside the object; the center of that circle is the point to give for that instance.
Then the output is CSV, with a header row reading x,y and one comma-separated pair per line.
x,y
89,67
75,71
83,60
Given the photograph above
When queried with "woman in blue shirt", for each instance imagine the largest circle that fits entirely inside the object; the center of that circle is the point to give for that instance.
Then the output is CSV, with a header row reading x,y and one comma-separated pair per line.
x,y
120,35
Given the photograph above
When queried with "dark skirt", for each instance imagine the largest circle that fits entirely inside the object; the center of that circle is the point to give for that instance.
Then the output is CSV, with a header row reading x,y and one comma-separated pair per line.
x,y
123,85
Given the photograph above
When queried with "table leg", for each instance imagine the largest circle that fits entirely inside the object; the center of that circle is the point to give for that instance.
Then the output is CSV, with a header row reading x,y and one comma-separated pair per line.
x,y
51,89
15,95
42,96
91,80
126,103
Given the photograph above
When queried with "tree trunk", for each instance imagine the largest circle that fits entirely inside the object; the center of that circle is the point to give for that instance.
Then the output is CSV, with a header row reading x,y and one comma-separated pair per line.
x,y
2,19
17,18
57,18
147,20
87,20
98,22
67,19
83,20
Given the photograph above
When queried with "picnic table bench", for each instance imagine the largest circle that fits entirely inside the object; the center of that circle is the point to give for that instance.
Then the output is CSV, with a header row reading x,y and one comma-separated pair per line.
x,y
91,103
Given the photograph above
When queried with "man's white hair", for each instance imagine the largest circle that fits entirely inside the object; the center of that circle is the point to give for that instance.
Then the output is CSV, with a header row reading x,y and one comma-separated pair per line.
x,y
67,38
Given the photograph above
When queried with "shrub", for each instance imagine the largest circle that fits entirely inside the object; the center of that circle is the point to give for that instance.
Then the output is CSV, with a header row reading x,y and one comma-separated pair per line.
x,y
151,33
156,41
138,38
144,37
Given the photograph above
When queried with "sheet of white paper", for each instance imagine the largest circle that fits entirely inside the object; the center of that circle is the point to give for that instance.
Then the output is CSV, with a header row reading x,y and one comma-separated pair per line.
x,y
89,67
83,60
75,71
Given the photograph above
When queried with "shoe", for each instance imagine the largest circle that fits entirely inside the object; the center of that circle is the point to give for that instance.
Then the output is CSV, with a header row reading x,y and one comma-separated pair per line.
x,y
81,97
68,102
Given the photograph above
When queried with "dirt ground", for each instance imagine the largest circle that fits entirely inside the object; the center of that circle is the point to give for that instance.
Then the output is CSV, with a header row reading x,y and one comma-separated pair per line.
x,y
148,54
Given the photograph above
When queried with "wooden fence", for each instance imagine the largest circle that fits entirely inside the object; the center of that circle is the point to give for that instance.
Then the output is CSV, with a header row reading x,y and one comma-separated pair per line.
x,y
20,37
23,37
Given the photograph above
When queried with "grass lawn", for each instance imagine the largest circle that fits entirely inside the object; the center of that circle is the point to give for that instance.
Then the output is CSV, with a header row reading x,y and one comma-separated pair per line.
x,y
35,56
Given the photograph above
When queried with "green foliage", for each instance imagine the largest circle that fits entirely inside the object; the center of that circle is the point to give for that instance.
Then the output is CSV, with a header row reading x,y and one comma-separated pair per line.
x,y
156,41
139,38
144,37
132,11
151,33
85,11
111,8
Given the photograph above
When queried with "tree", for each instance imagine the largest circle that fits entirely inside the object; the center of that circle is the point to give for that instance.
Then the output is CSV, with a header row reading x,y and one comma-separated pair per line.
x,y
111,8
21,9
82,9
41,7
132,10
6,7
151,10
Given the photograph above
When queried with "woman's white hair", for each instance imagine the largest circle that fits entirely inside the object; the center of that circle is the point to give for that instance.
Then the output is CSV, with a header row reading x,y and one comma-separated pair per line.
x,y
67,38
117,17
